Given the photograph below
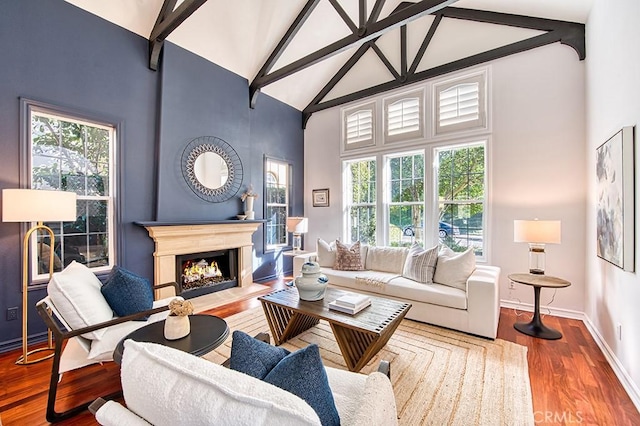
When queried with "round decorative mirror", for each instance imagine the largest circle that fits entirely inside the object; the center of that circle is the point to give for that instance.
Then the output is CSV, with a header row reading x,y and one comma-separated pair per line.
x,y
212,168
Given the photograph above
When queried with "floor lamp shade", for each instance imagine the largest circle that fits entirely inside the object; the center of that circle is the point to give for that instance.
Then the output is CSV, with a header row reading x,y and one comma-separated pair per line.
x,y
32,205
537,233
297,226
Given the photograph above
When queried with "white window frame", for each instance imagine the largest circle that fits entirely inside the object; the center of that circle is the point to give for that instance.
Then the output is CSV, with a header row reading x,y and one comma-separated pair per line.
x,y
362,143
486,201
347,183
70,117
410,134
286,205
480,123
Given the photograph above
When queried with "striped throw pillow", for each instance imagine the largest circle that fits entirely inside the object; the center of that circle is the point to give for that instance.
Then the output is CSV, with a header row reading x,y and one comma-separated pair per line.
x,y
420,264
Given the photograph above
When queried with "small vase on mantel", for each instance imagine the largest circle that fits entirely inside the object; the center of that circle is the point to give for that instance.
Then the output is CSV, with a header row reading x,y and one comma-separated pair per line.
x,y
248,197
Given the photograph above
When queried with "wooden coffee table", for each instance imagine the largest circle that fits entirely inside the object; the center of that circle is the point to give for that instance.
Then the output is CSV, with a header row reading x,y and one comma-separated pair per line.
x,y
359,336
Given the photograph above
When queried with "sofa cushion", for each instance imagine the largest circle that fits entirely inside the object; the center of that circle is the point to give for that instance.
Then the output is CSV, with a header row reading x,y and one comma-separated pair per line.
x,y
127,293
254,357
453,269
75,292
348,258
436,294
303,374
168,386
385,259
420,264
326,253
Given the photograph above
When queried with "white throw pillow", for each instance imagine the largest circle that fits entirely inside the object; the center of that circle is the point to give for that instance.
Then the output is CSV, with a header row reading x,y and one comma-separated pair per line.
x,y
453,269
420,264
166,386
326,253
386,259
75,292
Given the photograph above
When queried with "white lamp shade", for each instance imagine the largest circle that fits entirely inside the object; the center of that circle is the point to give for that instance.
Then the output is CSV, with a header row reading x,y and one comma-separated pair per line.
x,y
297,225
34,205
537,231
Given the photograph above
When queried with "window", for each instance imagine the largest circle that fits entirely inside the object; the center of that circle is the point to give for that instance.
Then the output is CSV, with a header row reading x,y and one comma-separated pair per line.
x,y
277,202
72,154
360,200
403,117
460,104
359,126
405,183
461,196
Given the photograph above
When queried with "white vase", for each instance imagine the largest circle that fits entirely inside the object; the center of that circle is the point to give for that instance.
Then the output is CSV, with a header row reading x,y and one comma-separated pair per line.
x,y
248,204
176,327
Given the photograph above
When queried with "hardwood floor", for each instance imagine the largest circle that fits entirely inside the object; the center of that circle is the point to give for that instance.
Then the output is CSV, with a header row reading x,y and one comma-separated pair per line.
x,y
571,381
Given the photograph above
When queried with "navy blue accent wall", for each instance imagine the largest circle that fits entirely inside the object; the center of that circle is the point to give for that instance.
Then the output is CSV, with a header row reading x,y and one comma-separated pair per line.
x,y
52,51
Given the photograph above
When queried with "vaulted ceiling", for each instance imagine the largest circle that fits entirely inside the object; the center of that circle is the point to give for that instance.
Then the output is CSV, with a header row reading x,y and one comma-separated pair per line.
x,y
315,54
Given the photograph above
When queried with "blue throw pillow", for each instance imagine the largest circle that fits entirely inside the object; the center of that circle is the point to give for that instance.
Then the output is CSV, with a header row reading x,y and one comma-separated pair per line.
x,y
127,293
254,357
303,374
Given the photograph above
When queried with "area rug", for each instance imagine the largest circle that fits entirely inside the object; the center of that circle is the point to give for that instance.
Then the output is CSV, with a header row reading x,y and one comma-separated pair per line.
x,y
439,376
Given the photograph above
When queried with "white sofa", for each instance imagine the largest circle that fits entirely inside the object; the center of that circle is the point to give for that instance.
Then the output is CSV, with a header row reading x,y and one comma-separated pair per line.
x,y
474,310
164,386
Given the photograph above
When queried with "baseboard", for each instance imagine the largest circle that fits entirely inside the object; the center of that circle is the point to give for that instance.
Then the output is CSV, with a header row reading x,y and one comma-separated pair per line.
x,y
627,382
13,344
621,373
544,310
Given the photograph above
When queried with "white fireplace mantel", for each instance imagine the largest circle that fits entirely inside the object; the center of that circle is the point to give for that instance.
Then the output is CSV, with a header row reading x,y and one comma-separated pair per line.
x,y
177,238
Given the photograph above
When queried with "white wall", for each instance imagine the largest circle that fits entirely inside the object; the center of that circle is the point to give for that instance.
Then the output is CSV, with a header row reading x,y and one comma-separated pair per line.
x,y
536,160
613,101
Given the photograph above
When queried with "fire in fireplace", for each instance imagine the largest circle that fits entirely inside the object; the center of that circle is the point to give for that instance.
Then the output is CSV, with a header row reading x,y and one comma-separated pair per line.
x,y
203,273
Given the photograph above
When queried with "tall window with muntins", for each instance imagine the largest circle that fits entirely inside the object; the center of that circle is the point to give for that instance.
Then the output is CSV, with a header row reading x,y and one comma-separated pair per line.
x,y
360,200
359,129
460,105
405,184
461,181
404,117
276,202
70,154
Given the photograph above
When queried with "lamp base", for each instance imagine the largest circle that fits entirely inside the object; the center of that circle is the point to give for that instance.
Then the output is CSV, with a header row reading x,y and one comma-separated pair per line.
x,y
297,242
24,360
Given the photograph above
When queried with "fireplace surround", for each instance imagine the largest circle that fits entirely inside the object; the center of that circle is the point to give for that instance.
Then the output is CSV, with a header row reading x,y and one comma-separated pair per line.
x,y
180,238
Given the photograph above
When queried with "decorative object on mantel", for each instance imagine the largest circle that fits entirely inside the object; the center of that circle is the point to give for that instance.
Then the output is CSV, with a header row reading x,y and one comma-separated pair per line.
x,y
320,197
212,169
537,233
312,284
241,216
247,198
177,324
297,226
615,200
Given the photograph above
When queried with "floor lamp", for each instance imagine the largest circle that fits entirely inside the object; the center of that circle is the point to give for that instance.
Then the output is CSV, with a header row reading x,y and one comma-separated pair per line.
x,y
31,205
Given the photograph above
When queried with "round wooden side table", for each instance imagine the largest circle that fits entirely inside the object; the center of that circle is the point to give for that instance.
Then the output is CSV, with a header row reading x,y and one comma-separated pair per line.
x,y
536,328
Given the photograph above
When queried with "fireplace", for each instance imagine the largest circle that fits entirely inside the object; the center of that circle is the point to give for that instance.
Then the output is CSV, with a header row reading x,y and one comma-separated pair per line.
x,y
206,272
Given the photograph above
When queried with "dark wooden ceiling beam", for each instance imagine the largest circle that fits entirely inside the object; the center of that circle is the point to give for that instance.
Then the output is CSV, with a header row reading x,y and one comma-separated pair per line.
x,y
497,53
362,13
425,43
372,31
385,61
344,15
168,20
375,12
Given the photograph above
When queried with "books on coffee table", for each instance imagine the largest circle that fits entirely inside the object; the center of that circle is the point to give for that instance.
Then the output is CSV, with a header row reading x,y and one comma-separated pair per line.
x,y
350,303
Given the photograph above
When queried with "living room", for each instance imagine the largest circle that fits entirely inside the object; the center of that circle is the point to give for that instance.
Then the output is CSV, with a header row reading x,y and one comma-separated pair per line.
x,y
548,113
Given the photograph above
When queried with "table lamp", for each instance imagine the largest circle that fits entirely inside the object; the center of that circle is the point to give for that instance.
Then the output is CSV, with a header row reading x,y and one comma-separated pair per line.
x,y
297,226
537,233
32,205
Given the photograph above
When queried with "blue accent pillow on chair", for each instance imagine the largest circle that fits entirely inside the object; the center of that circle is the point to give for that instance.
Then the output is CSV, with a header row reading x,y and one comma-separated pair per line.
x,y
254,357
303,374
127,293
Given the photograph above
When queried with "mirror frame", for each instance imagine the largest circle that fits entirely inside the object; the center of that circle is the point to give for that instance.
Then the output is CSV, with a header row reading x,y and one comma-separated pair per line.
x,y
201,145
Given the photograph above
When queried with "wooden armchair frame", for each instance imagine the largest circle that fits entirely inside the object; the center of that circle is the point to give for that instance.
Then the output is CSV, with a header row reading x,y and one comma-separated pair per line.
x,y
60,335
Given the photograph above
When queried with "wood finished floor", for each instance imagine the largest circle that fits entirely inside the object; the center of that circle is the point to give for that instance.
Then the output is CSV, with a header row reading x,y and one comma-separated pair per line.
x,y
571,381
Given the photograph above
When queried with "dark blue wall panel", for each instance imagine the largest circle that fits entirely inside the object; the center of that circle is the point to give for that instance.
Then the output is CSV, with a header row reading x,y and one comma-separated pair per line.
x,y
54,52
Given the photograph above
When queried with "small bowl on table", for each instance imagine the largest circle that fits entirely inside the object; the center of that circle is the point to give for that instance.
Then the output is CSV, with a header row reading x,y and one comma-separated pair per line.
x,y
241,216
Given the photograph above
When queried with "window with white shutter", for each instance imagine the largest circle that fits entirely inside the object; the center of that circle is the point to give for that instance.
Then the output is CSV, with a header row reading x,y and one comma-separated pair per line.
x,y
460,104
404,117
359,126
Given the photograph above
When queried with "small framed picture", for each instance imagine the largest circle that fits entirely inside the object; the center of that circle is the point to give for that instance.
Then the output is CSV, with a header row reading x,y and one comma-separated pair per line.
x,y
321,197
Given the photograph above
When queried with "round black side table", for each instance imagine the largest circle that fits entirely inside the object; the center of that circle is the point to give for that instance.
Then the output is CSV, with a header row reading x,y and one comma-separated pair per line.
x,y
207,333
536,328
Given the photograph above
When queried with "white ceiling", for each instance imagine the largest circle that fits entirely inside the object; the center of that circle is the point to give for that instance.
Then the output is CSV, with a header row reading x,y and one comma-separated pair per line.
x,y
239,35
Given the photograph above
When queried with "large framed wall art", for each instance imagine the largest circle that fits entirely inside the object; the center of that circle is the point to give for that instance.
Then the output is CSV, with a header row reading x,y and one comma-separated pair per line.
x,y
615,199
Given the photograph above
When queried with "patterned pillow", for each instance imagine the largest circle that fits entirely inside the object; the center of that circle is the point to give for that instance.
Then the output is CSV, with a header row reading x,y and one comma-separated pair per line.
x,y
348,258
420,264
